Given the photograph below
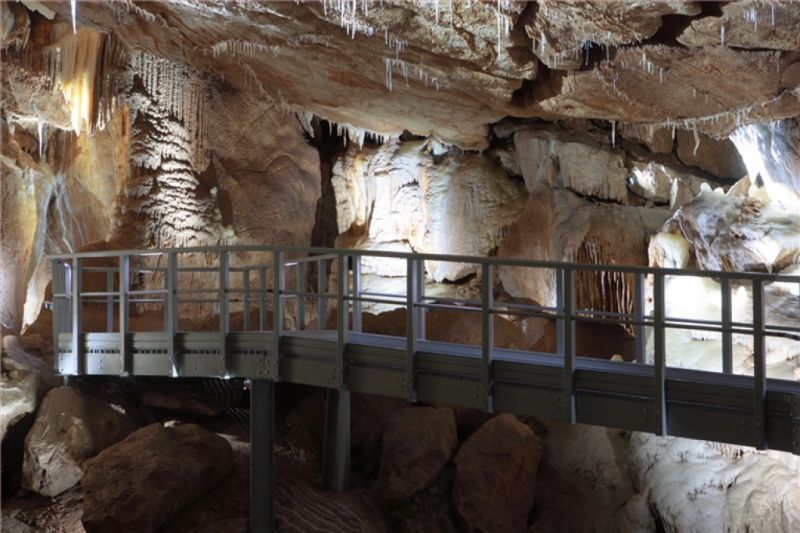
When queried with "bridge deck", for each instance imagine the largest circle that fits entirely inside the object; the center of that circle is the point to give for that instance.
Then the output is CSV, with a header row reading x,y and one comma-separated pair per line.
x,y
720,406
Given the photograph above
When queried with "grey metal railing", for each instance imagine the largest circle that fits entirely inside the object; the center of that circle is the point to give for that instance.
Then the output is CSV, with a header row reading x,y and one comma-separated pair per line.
x,y
264,287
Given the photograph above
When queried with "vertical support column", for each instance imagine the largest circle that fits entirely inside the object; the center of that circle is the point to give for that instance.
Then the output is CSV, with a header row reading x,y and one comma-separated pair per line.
x,y
246,302
75,292
487,335
565,341
301,296
759,366
262,304
356,258
336,445
124,314
109,301
660,352
171,330
638,312
342,321
412,311
224,316
322,288
262,456
273,366
727,324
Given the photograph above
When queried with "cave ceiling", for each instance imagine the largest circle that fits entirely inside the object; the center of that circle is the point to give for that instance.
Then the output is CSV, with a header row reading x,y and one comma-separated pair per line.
x,y
450,69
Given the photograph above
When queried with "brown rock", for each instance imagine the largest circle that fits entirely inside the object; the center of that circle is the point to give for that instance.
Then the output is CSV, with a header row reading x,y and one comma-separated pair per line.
x,y
495,478
71,426
719,158
138,483
370,415
417,443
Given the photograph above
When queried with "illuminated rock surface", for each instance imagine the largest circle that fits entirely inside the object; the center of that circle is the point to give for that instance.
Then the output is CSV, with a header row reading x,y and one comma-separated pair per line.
x,y
586,131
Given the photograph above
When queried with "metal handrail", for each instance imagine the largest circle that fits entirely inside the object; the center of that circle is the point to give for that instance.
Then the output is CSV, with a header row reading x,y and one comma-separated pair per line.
x,y
350,296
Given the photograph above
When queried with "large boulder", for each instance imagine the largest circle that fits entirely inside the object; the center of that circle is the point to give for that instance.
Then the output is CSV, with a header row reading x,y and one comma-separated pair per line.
x,y
495,479
71,426
417,444
138,483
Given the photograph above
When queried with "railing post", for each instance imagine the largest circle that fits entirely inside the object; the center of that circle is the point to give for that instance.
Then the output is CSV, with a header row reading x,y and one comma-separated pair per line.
x,y
565,331
124,314
759,366
224,315
262,455
342,322
322,302
109,301
273,368
411,327
356,258
60,308
301,298
262,304
487,335
727,324
638,313
660,354
75,290
246,298
422,311
171,282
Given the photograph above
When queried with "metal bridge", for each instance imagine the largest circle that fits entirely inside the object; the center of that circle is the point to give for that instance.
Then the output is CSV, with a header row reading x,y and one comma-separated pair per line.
x,y
283,296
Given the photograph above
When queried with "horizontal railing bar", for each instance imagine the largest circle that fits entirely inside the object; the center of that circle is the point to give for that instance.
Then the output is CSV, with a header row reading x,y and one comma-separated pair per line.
x,y
451,307
510,262
401,301
523,306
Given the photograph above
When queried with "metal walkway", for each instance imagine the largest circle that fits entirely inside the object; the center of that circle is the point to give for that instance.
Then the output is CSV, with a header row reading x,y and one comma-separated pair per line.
x,y
276,342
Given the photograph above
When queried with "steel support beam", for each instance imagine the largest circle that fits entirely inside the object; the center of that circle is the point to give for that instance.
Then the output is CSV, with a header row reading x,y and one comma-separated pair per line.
x,y
171,329
77,308
336,441
262,456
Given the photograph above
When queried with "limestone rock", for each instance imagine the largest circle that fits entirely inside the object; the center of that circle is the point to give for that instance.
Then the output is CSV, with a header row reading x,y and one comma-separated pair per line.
x,y
657,139
495,479
600,475
71,426
771,153
698,485
747,24
403,192
203,396
370,415
138,483
716,157
417,443
572,229
592,172
738,234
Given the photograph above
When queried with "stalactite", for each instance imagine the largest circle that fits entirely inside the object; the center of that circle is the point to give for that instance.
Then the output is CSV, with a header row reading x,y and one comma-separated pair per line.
x,y
85,67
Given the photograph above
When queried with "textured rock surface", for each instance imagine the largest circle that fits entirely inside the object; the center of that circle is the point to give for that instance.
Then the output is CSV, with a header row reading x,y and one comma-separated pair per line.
x,y
138,483
495,479
71,426
426,196
417,443
696,485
